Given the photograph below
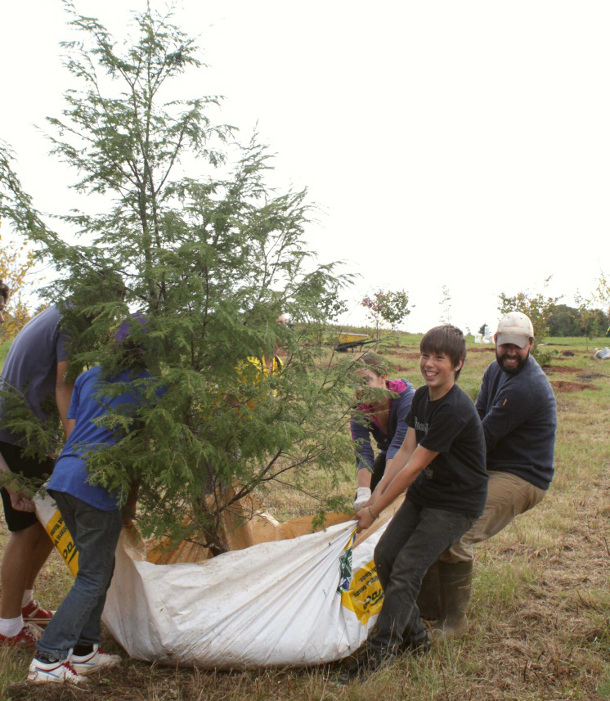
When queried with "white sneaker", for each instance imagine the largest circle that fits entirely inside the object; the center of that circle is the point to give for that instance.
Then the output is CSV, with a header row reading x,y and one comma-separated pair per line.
x,y
53,673
98,659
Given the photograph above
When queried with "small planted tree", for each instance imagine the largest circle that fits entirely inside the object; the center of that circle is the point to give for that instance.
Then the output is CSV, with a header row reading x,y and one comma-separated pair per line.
x,y
446,304
210,261
601,296
594,309
386,306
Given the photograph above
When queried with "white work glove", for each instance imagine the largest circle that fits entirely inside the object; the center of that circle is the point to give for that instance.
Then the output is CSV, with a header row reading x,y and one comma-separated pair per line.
x,y
363,494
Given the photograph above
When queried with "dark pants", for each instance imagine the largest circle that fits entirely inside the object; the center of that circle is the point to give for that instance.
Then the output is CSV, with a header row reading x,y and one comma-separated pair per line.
x,y
413,540
32,468
78,619
378,469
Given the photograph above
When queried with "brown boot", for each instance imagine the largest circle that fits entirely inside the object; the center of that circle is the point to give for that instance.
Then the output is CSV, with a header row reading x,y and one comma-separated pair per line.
x,y
455,581
429,597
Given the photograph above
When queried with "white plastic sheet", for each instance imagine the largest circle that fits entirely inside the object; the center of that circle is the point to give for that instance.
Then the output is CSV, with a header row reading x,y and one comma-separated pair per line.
x,y
291,602
300,601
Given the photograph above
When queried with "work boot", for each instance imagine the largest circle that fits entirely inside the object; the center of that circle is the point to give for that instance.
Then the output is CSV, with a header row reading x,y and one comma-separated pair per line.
x,y
364,663
429,597
416,647
455,582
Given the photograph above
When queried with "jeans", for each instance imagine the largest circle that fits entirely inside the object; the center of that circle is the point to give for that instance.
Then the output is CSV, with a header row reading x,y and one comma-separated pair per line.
x,y
78,619
507,497
413,540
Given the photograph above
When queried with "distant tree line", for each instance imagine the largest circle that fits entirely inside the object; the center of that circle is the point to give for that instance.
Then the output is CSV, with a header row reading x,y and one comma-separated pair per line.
x,y
570,321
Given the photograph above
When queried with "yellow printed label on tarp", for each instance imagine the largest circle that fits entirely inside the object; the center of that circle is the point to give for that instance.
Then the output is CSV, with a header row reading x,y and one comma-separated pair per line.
x,y
365,595
62,540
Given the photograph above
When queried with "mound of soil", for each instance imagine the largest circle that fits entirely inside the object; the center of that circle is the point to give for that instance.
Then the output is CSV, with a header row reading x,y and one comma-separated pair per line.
x,y
563,386
484,349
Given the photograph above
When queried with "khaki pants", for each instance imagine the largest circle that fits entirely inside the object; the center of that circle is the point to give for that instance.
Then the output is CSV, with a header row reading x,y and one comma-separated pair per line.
x,y
507,497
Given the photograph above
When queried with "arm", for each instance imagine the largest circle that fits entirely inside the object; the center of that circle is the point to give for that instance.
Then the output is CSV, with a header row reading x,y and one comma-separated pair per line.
x,y
364,478
362,442
69,427
402,410
511,407
418,461
363,490
394,466
63,394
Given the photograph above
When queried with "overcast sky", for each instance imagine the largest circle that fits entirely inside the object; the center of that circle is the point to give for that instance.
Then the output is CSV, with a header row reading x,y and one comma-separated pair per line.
x,y
464,144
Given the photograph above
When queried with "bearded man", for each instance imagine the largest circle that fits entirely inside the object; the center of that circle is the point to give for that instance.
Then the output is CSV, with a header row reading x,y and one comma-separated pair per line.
x,y
519,416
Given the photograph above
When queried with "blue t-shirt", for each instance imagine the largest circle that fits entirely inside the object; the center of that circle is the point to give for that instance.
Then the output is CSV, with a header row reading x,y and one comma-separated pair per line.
x,y
70,473
30,367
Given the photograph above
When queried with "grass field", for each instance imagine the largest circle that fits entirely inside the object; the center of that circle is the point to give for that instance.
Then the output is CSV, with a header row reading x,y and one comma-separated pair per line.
x,y
540,610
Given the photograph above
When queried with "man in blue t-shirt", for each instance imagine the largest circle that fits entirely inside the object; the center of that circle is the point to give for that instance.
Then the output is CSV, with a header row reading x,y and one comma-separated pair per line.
x,y
519,416
70,645
34,371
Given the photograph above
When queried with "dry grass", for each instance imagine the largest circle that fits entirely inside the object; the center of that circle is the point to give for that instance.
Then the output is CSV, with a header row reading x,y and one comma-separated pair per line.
x,y
540,611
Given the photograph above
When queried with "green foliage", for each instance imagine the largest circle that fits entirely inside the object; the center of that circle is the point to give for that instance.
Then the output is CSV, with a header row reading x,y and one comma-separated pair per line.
x,y
595,321
210,262
15,204
16,259
387,306
327,290
572,321
601,293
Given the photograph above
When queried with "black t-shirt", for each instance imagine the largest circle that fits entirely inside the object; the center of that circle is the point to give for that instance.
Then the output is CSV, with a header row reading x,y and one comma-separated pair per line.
x,y
456,480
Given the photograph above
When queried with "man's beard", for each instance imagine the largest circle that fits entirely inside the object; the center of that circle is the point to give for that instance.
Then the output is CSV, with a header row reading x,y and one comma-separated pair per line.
x,y
514,369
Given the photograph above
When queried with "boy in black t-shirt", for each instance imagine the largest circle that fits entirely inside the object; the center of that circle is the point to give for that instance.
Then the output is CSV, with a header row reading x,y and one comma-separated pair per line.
x,y
442,463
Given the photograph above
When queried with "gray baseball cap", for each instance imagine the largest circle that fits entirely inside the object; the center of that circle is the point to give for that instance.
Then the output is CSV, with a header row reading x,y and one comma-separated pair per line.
x,y
515,328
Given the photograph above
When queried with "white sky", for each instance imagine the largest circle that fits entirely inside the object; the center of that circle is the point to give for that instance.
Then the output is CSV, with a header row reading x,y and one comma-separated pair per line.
x,y
464,144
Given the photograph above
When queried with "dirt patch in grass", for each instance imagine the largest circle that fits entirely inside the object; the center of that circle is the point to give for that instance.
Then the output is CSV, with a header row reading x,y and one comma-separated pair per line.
x,y
486,349
562,369
586,377
407,355
565,386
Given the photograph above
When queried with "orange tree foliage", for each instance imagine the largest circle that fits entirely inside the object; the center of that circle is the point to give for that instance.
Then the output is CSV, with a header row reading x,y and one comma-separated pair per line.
x,y
15,263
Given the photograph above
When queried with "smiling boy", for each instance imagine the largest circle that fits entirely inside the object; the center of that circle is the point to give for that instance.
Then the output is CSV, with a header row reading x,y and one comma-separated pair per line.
x,y
519,416
442,463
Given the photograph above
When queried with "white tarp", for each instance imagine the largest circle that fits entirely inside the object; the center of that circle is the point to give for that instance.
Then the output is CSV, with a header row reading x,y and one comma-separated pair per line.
x,y
300,601
272,604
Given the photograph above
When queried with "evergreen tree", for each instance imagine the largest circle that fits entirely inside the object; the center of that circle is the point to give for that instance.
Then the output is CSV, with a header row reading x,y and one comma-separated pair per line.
x,y
210,262
17,217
